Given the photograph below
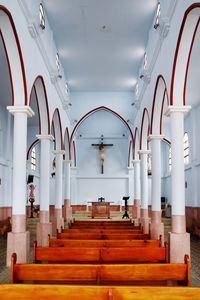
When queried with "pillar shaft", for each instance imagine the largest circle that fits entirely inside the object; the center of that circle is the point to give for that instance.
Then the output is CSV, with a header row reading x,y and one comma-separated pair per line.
x,y
144,180
67,179
59,179
137,187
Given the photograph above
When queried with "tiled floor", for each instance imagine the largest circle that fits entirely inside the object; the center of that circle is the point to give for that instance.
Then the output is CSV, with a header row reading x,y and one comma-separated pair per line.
x,y
31,226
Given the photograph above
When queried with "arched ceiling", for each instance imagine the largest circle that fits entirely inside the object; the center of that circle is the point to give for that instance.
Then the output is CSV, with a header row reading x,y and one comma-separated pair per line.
x,y
101,43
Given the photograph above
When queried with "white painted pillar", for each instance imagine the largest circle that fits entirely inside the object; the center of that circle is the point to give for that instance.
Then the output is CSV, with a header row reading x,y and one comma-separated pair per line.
x,y
156,227
179,240
44,228
19,240
144,190
137,189
67,204
58,219
130,189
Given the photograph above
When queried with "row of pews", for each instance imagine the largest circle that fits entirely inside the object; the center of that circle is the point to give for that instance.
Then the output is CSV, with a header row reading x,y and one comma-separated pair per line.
x,y
100,260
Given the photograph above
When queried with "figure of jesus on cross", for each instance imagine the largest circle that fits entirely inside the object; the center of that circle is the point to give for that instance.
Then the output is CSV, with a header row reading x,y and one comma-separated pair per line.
x,y
101,147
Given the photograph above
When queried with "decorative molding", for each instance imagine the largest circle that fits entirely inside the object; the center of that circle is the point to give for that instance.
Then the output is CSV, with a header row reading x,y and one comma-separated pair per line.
x,y
135,161
21,109
172,108
58,152
144,152
45,137
163,32
67,161
36,32
155,137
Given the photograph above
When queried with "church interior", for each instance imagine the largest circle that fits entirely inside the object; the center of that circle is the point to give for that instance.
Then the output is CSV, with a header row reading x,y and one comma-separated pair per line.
x,y
99,149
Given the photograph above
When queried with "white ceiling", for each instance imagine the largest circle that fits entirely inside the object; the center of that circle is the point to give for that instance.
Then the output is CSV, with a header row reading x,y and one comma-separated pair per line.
x,y
97,58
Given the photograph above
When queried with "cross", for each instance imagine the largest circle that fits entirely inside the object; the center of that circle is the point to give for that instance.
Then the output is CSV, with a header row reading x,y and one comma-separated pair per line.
x,y
101,147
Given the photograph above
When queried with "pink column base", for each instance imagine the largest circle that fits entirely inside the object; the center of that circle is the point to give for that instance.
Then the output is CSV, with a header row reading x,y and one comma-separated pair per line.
x,y
144,220
44,216
178,224
58,221
136,209
67,210
43,230
179,245
156,227
18,243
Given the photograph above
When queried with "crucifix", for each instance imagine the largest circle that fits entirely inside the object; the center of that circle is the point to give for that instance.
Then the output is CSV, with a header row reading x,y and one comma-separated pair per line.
x,y
101,147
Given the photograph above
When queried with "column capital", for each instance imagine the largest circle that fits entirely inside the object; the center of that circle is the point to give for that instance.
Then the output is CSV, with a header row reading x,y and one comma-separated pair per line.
x,y
45,137
67,161
144,152
21,109
155,137
58,152
130,168
135,161
173,108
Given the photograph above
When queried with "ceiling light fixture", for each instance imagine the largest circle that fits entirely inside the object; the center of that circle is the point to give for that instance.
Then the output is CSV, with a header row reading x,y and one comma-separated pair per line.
x,y
157,16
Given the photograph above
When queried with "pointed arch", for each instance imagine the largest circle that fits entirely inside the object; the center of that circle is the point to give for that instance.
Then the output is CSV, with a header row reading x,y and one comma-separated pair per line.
x,y
57,128
182,55
136,144
145,129
42,104
92,112
14,57
66,143
159,98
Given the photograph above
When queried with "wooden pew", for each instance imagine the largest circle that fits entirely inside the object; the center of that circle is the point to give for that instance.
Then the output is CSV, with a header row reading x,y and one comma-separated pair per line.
x,y
100,255
102,243
63,292
124,222
102,231
99,236
5,227
103,274
106,227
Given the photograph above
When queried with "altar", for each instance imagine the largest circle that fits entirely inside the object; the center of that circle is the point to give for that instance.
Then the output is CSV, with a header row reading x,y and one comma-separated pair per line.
x,y
100,210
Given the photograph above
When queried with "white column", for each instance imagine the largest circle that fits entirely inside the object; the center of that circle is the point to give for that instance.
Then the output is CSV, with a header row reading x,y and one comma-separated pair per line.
x,y
19,240
58,180
179,240
67,178
156,227
144,191
144,178
137,186
58,220
44,170
19,157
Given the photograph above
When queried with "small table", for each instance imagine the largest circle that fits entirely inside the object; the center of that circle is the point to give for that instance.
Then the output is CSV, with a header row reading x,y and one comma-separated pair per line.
x,y
100,209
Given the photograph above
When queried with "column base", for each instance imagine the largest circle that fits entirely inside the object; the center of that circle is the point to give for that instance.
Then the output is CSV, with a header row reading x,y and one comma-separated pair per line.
x,y
136,209
43,230
156,227
144,220
58,221
67,210
179,245
19,243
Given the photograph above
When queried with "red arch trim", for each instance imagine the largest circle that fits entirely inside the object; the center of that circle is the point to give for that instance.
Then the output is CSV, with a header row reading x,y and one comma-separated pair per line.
x,y
30,148
33,88
194,5
74,146
59,120
135,136
129,153
6,11
68,138
93,111
9,67
144,111
46,100
188,61
160,77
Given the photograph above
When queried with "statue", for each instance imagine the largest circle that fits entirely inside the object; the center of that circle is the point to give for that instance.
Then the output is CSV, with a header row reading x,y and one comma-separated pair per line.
x,y
101,147
31,196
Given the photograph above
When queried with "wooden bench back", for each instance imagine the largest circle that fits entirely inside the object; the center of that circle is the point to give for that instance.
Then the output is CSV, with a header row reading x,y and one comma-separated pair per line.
x,y
99,236
100,255
105,227
103,243
113,274
102,231
63,292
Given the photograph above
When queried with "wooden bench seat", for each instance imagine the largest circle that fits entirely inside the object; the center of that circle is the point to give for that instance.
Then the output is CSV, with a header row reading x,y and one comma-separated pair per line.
x,y
103,274
105,227
100,255
99,236
102,231
63,292
103,243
